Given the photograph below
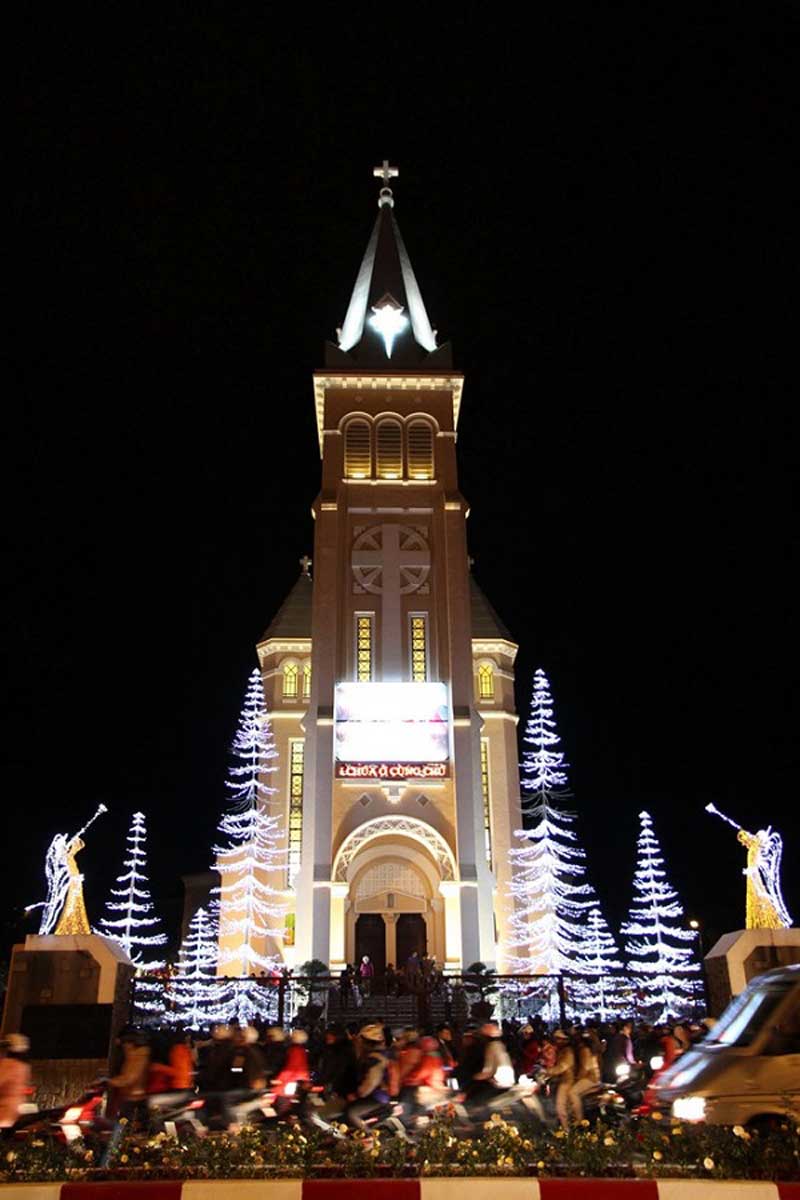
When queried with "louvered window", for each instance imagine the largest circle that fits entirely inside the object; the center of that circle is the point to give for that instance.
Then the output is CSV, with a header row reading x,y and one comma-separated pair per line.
x,y
357,451
485,682
290,681
390,450
295,831
420,450
487,805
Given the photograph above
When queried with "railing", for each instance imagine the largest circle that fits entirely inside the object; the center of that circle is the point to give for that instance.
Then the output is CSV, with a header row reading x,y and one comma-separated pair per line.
x,y
426,997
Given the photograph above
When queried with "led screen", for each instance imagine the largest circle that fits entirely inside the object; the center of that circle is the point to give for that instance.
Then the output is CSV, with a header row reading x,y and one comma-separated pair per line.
x,y
392,723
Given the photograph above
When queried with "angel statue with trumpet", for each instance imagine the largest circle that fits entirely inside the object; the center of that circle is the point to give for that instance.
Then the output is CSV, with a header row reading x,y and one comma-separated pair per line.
x,y
64,912
765,906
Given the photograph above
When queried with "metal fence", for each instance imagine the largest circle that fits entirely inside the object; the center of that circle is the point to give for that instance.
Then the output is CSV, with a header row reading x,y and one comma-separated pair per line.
x,y
457,998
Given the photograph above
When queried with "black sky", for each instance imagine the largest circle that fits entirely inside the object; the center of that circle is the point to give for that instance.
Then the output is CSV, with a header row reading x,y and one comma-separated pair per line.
x,y
602,212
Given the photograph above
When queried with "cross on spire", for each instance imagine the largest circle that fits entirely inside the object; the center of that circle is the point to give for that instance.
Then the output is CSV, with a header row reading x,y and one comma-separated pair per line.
x,y
385,172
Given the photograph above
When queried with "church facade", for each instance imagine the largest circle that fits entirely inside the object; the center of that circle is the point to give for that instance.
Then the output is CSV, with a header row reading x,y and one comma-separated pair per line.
x,y
388,676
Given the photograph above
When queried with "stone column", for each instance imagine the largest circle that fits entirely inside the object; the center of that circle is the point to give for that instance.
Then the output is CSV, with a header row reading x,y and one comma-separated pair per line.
x,y
451,890
339,892
390,921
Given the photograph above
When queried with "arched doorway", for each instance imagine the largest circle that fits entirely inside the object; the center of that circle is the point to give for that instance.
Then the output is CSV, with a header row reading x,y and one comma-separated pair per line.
x,y
371,940
412,936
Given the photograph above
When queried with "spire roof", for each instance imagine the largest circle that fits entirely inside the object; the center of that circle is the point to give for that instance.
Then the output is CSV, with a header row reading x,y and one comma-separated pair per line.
x,y
293,618
485,621
386,323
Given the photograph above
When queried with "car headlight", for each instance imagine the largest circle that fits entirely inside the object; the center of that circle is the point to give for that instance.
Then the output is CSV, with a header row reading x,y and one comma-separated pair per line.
x,y
689,1108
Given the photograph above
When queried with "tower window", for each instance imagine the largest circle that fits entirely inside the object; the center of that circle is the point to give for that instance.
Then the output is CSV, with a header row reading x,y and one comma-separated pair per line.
x,y
363,647
357,450
420,450
290,681
485,681
306,680
487,806
418,630
390,450
295,823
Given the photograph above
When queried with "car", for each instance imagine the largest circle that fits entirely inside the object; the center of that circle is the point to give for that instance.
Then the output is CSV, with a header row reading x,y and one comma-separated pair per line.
x,y
746,1071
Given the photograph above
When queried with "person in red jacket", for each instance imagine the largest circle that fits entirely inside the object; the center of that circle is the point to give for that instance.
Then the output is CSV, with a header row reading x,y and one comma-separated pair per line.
x,y
295,1071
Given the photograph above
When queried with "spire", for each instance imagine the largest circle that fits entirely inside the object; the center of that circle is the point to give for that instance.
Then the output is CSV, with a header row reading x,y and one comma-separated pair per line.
x,y
386,322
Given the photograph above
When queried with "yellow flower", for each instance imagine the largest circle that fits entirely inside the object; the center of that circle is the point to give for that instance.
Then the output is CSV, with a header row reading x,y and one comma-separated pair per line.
x,y
657,1155
585,1123
540,1165
657,1116
708,1163
559,1133
496,1119
10,1156
740,1132
123,1158
677,1131
609,1141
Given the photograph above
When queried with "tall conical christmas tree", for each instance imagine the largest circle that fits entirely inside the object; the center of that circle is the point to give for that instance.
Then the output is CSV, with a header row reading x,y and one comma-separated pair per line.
x,y
660,960
548,888
250,907
131,921
198,995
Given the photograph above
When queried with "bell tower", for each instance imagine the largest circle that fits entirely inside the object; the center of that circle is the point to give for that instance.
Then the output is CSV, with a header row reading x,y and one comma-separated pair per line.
x,y
410,787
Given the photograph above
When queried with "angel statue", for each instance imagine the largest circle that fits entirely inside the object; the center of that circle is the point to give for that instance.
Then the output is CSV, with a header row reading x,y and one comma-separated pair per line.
x,y
64,912
765,906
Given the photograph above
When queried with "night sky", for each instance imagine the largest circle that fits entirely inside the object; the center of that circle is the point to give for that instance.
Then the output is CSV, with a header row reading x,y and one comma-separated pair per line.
x,y
601,209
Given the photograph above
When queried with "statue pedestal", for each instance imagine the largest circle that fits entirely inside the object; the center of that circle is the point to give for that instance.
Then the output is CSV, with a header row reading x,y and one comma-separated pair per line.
x,y
738,957
70,995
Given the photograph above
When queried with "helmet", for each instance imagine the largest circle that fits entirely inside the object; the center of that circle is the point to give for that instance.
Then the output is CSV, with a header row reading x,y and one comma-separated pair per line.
x,y
372,1033
560,1036
299,1037
490,1029
17,1043
275,1034
249,1035
220,1032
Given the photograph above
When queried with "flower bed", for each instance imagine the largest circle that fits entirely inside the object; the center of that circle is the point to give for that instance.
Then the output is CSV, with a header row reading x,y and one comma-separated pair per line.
x,y
648,1148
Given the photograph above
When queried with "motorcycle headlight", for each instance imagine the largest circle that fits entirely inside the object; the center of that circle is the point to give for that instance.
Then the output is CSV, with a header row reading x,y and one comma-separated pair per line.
x,y
656,1062
623,1071
689,1108
504,1076
72,1115
290,1089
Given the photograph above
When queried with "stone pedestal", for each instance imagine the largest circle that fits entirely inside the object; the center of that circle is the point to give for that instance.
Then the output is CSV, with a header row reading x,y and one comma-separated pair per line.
x,y
738,957
70,995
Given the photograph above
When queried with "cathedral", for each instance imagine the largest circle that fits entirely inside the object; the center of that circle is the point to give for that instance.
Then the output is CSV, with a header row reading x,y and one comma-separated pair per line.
x,y
387,673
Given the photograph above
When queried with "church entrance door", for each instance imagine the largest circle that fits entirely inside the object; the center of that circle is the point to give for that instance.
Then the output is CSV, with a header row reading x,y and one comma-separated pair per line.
x,y
371,940
411,935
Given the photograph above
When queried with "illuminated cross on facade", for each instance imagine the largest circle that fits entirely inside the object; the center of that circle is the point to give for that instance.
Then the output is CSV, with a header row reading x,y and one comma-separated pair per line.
x,y
305,563
391,561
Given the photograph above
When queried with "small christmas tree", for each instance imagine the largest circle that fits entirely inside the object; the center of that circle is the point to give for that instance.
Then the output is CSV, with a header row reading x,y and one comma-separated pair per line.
x,y
661,965
251,909
544,774
198,996
601,994
548,888
132,923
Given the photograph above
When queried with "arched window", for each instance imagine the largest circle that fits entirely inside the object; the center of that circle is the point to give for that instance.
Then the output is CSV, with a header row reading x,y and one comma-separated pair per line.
x,y
357,450
306,680
290,674
485,681
420,450
390,450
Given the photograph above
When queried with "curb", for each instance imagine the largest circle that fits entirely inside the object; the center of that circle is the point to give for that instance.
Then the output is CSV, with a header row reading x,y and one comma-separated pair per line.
x,y
409,1189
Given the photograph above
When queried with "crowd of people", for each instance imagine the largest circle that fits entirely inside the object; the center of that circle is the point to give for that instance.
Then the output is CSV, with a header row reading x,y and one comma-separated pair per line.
x,y
362,1068
360,980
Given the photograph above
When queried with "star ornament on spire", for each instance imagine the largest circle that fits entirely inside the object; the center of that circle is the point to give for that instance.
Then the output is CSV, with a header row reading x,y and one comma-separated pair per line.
x,y
386,173
388,321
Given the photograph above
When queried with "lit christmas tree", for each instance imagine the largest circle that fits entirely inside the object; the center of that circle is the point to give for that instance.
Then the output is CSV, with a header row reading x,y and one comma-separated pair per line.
x,y
251,909
543,768
131,922
198,996
548,888
661,966
603,994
